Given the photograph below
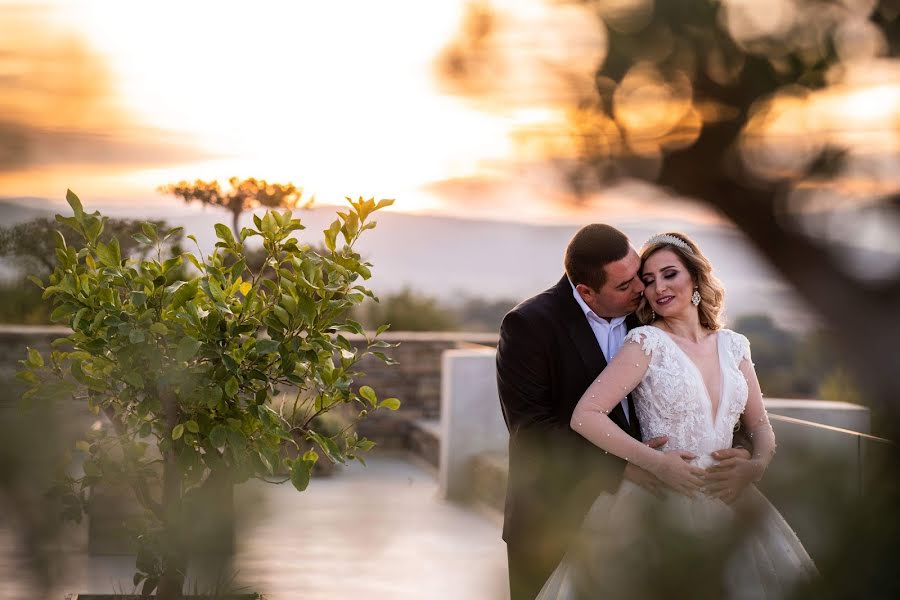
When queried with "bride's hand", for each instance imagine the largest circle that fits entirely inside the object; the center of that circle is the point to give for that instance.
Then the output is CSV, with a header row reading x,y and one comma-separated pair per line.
x,y
675,470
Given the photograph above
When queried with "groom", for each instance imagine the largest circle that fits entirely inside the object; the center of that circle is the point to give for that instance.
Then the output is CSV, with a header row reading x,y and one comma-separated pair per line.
x,y
552,346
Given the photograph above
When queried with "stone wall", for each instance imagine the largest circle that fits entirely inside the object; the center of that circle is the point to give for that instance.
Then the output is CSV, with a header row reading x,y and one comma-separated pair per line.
x,y
13,341
415,380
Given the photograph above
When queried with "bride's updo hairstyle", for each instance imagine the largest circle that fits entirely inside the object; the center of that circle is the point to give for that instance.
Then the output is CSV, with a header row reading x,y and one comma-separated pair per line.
x,y
712,294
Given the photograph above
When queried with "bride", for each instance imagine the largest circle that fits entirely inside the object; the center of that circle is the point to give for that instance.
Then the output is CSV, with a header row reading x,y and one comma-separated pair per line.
x,y
694,382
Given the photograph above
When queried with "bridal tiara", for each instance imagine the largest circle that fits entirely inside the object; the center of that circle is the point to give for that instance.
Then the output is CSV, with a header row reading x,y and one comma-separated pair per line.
x,y
665,238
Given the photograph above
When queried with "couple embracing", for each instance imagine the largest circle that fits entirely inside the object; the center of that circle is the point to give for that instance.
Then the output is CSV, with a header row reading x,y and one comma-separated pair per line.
x,y
622,393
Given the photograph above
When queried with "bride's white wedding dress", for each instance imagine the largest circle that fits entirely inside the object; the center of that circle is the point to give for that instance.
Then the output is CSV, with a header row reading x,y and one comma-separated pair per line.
x,y
671,399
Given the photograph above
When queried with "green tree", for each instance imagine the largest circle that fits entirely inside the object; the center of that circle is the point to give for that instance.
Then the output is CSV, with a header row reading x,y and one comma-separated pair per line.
x,y
185,371
243,195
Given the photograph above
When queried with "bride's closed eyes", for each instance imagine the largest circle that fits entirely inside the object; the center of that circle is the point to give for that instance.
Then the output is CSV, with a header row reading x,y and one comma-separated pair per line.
x,y
666,275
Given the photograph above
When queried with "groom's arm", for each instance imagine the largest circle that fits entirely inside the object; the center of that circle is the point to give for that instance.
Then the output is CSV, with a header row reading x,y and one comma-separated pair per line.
x,y
728,478
523,375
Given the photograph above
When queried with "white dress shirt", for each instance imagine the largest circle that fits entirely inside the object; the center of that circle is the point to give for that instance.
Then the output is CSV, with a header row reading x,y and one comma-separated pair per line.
x,y
610,335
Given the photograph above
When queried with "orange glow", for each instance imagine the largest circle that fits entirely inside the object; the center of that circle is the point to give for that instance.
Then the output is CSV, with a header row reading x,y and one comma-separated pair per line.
x,y
341,98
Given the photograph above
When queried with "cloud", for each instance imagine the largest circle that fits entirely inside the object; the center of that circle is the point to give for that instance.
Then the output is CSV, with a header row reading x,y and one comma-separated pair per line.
x,y
59,103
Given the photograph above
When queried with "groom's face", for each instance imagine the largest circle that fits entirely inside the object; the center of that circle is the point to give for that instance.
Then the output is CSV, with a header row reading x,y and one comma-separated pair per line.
x,y
621,293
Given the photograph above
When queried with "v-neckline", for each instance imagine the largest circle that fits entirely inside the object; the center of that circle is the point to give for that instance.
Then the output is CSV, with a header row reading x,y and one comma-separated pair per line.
x,y
714,418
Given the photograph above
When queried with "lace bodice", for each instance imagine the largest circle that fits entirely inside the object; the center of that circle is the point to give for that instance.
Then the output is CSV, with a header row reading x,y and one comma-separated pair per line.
x,y
672,399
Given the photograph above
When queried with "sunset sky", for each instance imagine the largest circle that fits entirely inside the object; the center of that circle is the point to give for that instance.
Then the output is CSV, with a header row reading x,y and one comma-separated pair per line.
x,y
113,99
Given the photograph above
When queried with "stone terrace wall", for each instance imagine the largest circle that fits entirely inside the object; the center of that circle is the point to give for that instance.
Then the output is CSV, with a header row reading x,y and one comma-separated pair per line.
x,y
415,380
14,339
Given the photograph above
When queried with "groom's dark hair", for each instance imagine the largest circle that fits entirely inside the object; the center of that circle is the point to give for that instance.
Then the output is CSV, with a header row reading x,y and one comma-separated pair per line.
x,y
592,248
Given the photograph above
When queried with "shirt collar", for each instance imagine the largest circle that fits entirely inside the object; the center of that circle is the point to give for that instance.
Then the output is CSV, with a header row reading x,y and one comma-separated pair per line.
x,y
590,314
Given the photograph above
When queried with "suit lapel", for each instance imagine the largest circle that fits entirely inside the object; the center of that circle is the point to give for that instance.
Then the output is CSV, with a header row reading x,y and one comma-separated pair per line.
x,y
585,343
580,330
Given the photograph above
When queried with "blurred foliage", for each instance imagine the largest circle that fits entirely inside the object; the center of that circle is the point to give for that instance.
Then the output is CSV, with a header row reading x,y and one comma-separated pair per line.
x,y
20,303
183,371
789,364
33,445
243,195
749,108
409,310
34,242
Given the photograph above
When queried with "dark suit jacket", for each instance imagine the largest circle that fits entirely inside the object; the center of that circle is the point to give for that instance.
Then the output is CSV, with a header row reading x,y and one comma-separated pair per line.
x,y
547,356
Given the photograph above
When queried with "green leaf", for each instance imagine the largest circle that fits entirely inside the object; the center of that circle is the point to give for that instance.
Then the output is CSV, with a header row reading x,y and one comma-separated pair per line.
x,y
384,358
266,346
223,232
142,239
282,315
267,463
173,232
213,396
217,436
159,329
331,235
382,328
78,316
134,379
231,387
306,308
184,293
230,363
390,403
75,203
194,261
107,255
149,230
187,348
213,289
369,394
35,359
192,426
300,473
177,431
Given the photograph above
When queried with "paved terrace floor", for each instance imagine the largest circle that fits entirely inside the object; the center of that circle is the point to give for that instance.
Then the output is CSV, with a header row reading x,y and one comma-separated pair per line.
x,y
380,532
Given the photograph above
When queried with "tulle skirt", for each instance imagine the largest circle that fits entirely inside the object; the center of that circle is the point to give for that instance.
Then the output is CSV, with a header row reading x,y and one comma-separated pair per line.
x,y
634,545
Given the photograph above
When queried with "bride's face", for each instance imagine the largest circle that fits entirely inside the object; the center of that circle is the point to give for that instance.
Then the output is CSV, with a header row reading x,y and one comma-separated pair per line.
x,y
668,285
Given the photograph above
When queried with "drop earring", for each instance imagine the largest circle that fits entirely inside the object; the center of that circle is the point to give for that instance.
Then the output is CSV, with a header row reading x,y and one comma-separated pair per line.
x,y
695,297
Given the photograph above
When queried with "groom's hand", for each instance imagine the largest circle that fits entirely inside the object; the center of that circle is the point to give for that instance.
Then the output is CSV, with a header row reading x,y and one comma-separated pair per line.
x,y
643,478
734,472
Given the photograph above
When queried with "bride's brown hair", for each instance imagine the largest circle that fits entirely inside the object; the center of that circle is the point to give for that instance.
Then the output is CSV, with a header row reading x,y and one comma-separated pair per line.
x,y
712,294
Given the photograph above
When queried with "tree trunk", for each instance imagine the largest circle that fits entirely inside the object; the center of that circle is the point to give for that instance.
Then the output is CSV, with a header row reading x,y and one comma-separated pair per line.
x,y
235,216
860,315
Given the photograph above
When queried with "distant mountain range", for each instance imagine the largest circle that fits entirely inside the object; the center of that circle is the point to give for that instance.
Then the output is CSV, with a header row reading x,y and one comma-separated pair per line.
x,y
454,258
